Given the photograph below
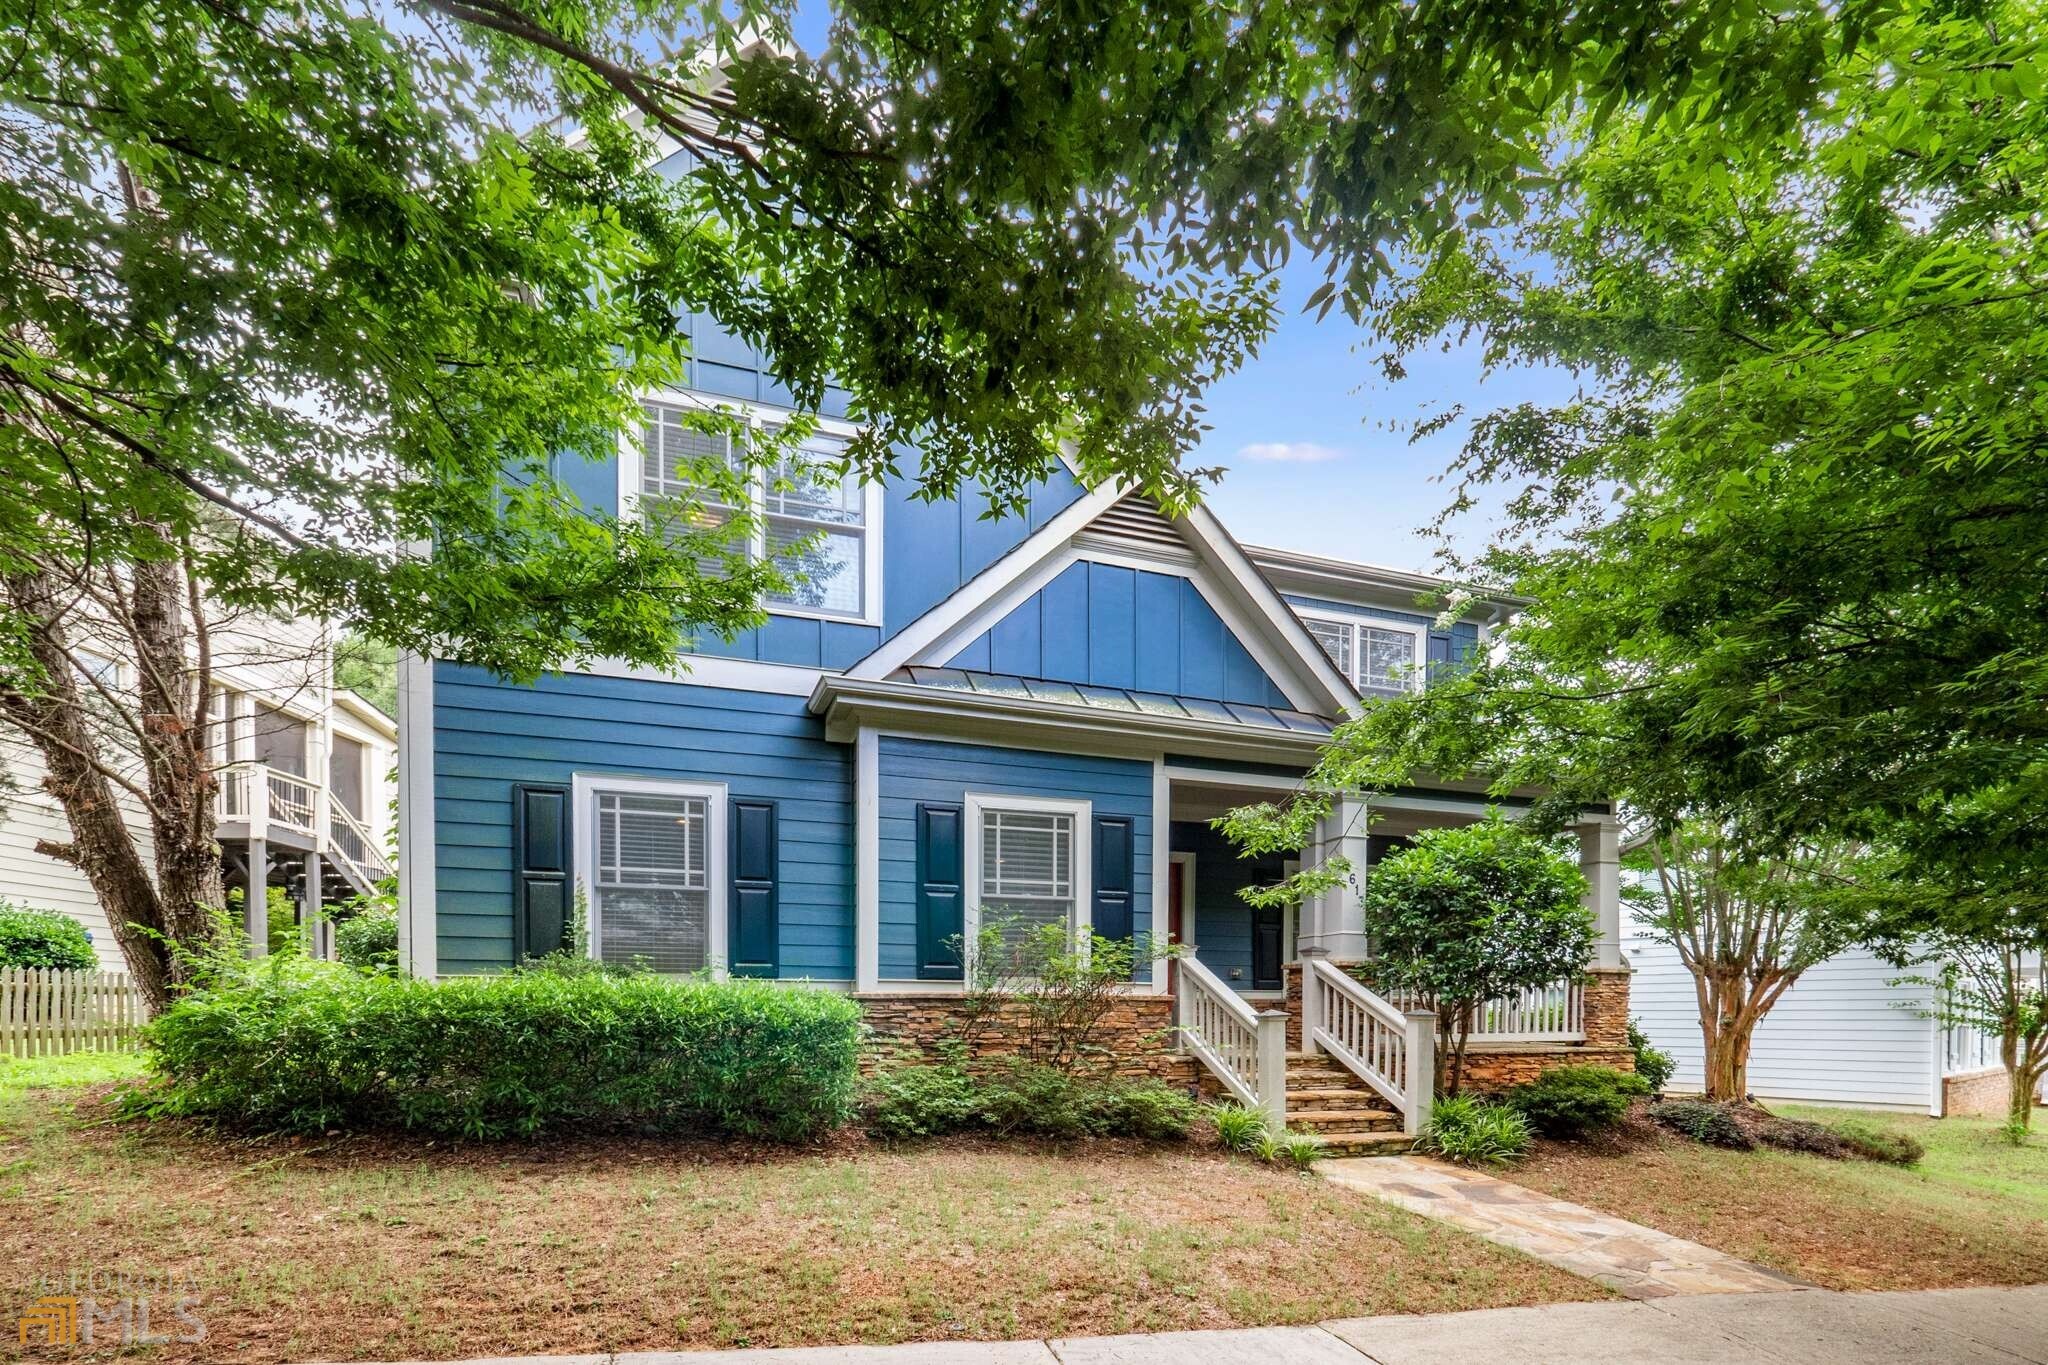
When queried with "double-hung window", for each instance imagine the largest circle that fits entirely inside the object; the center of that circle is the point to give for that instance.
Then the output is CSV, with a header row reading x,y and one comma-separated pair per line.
x,y
655,887
1030,859
1376,656
815,523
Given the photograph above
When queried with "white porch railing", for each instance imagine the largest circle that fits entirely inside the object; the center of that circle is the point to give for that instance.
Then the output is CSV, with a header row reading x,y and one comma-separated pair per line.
x,y
1244,1049
1391,1050
1555,1013
262,797
350,841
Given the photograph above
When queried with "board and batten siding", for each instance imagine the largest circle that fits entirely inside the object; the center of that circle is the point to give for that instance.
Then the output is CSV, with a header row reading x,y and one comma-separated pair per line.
x,y
912,771
490,734
1113,626
1843,1034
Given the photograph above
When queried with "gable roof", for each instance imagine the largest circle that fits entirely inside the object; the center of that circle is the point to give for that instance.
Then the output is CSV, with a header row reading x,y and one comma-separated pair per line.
x,y
1116,525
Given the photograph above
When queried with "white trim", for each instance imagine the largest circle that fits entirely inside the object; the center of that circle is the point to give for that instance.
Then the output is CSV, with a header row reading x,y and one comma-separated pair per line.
x,y
911,642
713,670
867,861
418,933
1264,598
1187,897
1081,874
1266,781
1162,867
761,415
587,786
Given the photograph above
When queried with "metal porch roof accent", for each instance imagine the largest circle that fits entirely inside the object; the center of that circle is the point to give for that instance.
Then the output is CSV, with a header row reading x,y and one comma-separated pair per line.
x,y
1113,699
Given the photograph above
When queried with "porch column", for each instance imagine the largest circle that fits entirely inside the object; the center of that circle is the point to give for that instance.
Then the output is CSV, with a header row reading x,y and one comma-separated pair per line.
x,y
1338,915
1600,861
256,898
317,927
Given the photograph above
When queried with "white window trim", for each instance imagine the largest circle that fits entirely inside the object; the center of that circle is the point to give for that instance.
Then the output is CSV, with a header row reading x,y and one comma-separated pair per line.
x,y
1356,626
1083,871
585,788
759,415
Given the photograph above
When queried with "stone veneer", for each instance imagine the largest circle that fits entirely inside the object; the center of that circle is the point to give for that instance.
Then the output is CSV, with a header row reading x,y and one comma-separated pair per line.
x,y
906,1029
1492,1067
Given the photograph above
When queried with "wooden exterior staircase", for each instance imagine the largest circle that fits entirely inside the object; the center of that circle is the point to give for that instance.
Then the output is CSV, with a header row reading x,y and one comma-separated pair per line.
x,y
1349,1116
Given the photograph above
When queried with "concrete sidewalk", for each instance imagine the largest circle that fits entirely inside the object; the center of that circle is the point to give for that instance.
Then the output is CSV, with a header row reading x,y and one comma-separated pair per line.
x,y
1810,1327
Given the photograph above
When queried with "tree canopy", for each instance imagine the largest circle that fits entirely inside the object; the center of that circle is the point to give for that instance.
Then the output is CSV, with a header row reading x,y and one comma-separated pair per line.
x,y
294,286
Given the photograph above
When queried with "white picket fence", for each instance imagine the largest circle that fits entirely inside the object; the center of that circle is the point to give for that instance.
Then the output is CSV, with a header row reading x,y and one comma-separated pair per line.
x,y
45,1012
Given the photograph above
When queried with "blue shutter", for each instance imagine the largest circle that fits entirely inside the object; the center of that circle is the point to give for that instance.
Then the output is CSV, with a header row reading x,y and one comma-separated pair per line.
x,y
940,897
1439,656
751,912
1113,876
540,869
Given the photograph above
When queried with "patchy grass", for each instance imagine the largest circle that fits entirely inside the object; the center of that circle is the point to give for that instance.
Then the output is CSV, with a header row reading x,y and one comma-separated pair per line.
x,y
374,1249
79,1068
1973,1212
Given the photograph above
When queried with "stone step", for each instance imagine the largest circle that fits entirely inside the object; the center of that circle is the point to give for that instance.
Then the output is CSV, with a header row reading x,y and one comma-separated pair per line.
x,y
1321,1075
1339,1145
1324,1101
1346,1121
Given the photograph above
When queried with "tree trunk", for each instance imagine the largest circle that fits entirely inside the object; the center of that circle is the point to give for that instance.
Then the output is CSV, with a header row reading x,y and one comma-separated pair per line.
x,y
1726,1028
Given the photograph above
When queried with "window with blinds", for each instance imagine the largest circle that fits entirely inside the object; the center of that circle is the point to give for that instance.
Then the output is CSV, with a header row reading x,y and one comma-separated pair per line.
x,y
651,888
812,521
1027,870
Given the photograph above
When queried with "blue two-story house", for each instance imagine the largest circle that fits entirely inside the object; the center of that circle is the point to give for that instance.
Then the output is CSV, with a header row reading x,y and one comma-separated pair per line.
x,y
1043,713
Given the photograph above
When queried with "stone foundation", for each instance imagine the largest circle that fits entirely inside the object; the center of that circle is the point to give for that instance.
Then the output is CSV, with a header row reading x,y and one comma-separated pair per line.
x,y
1136,1035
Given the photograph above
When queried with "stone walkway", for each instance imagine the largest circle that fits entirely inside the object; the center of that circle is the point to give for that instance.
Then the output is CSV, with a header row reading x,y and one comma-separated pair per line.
x,y
1813,1327
1635,1261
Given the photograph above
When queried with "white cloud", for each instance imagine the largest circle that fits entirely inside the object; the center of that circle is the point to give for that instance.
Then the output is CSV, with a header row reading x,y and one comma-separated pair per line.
x,y
1289,452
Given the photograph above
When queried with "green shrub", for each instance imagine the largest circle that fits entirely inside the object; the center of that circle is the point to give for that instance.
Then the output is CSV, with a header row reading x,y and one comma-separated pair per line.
x,y
308,1047
920,1102
1239,1129
41,938
369,941
1653,1064
1467,1129
1022,1098
1291,1148
1703,1121
1572,1101
1875,1142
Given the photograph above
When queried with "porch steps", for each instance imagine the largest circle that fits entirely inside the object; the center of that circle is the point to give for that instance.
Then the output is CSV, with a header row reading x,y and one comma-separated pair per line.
x,y
1349,1116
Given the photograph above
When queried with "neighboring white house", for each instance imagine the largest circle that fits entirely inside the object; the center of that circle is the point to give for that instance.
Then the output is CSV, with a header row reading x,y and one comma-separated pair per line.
x,y
307,780
1847,1033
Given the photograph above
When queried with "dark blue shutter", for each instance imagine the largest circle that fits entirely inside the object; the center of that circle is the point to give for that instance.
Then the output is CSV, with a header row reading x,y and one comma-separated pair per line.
x,y
752,907
940,918
1113,876
540,869
1439,656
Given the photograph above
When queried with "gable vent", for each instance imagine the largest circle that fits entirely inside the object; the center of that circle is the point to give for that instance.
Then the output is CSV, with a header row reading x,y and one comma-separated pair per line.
x,y
1135,522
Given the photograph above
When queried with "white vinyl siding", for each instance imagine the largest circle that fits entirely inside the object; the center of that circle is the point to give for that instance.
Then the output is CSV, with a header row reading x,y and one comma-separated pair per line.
x,y
1844,1034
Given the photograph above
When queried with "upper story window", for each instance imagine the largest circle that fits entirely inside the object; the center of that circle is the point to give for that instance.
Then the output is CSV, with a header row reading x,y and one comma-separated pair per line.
x,y
1377,656
797,503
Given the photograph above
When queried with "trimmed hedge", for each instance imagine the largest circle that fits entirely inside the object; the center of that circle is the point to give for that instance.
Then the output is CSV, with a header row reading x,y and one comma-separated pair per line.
x,y
312,1049
43,938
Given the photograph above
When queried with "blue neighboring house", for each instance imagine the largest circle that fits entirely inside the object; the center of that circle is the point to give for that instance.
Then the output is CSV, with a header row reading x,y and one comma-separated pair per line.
x,y
1040,713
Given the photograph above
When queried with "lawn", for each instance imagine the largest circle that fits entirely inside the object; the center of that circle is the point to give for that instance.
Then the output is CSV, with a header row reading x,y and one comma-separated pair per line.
x,y
1973,1212
368,1249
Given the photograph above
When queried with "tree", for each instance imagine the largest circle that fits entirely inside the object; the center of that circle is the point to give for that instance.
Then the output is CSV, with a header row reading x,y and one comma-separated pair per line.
x,y
368,669
260,346
1470,914
1747,927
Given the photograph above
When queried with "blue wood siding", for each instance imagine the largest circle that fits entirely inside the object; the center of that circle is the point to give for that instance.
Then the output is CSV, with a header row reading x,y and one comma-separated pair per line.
x,y
490,734
1112,626
911,771
1222,932
931,549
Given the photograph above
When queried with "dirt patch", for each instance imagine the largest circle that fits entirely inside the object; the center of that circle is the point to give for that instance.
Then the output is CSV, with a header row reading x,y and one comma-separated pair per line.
x,y
382,1249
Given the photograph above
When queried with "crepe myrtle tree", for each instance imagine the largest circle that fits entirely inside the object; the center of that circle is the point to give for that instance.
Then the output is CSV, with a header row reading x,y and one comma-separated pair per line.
x,y
1469,914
